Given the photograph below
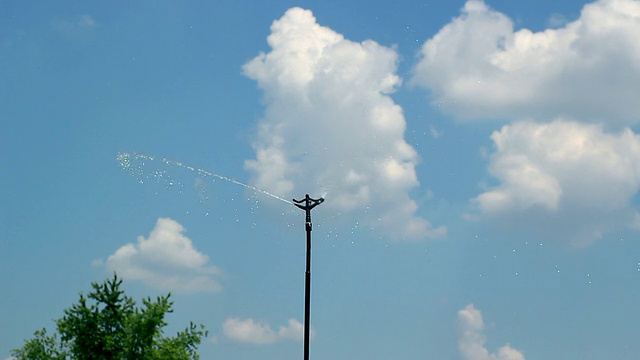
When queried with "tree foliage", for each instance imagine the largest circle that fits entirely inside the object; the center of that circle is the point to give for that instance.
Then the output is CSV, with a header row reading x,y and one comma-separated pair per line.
x,y
107,325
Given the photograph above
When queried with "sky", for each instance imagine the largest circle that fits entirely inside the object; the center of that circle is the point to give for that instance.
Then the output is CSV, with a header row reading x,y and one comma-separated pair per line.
x,y
479,161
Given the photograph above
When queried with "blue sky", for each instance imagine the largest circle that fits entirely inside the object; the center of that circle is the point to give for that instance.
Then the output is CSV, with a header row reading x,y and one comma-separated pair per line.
x,y
479,162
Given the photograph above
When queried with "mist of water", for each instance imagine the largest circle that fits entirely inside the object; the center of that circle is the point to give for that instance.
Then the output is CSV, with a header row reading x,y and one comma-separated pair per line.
x,y
126,159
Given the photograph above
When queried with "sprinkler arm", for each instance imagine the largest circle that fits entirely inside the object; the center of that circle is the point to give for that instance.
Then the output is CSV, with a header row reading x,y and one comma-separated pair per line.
x,y
307,204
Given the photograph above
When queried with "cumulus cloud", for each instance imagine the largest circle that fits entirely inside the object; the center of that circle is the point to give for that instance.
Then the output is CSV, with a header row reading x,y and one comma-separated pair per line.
x,y
251,332
166,260
574,176
478,66
565,178
331,125
471,342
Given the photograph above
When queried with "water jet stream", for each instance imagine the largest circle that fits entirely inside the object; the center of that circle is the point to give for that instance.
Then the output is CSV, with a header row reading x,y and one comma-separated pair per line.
x,y
126,158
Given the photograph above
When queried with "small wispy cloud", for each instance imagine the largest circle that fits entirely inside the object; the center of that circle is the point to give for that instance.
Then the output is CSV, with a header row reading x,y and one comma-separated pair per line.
x,y
557,20
471,343
76,25
166,260
254,332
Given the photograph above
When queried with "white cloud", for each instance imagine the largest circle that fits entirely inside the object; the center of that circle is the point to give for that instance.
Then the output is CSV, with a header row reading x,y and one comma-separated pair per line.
x,y
472,340
294,331
560,179
166,260
477,66
252,332
557,20
330,124
77,25
87,21
249,331
575,177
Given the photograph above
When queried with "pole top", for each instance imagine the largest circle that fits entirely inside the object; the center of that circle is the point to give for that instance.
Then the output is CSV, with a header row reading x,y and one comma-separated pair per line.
x,y
307,203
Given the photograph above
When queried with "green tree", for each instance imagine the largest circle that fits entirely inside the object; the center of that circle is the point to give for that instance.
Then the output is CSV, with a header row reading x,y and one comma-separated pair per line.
x,y
107,325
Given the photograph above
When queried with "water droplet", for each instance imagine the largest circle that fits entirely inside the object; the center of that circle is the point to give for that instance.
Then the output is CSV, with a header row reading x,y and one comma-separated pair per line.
x,y
126,159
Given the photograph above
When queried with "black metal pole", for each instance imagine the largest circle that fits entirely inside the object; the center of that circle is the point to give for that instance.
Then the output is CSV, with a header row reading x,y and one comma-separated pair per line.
x,y
307,293
307,204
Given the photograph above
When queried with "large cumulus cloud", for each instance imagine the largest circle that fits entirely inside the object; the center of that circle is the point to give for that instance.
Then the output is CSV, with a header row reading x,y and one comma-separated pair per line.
x,y
330,125
566,163
478,66
576,177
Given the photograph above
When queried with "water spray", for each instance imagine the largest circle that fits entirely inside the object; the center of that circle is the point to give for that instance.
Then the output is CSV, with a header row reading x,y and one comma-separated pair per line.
x,y
125,160
305,204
